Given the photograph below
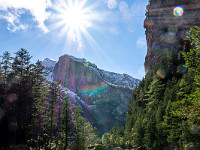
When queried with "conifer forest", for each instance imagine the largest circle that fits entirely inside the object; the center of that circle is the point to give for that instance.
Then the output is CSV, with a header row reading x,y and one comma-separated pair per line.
x,y
162,111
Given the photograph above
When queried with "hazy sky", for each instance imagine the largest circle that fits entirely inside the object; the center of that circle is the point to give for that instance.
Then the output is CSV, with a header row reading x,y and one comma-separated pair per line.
x,y
108,33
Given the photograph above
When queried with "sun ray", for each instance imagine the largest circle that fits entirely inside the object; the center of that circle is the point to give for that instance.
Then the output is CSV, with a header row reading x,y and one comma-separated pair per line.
x,y
72,17
99,52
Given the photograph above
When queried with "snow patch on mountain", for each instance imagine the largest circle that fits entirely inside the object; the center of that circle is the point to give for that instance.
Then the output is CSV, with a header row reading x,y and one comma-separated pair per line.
x,y
74,97
116,79
49,63
81,60
48,67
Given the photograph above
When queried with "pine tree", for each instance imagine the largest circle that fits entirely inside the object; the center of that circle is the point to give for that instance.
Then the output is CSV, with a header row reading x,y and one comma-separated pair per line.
x,y
80,142
21,63
189,105
1,89
34,111
91,137
60,106
53,95
6,65
37,123
155,94
138,133
22,86
106,139
1,76
65,118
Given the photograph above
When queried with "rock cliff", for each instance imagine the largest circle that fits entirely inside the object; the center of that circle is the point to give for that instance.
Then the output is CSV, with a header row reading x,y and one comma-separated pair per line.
x,y
102,95
165,32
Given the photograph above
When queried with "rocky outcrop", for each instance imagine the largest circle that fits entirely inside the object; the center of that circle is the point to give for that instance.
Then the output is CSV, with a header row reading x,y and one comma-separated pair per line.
x,y
102,95
165,32
48,68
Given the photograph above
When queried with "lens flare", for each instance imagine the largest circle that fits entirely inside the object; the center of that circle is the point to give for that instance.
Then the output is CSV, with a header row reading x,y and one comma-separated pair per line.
x,y
92,90
178,11
170,38
11,97
86,65
162,73
181,69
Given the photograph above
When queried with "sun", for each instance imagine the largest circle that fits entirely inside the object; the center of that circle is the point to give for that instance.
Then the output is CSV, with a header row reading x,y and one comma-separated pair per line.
x,y
74,17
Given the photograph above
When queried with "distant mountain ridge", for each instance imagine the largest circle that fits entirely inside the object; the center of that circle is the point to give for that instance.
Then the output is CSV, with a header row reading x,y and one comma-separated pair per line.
x,y
112,78
102,95
49,65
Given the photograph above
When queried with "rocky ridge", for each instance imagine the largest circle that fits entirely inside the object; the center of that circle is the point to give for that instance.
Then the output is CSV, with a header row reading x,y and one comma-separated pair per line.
x,y
102,95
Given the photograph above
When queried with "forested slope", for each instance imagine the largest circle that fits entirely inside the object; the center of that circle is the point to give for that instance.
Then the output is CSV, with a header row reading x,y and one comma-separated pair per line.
x,y
36,113
164,111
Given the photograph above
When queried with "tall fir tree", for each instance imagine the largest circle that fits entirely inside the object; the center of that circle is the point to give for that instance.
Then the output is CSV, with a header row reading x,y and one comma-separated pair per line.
x,y
6,65
80,141
65,127
21,63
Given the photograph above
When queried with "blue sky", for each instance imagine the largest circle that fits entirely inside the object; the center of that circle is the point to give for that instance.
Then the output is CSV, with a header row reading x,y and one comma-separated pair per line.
x,y
114,38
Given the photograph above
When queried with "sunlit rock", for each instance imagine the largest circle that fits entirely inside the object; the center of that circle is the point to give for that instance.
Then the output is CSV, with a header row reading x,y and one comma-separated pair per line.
x,y
102,95
167,23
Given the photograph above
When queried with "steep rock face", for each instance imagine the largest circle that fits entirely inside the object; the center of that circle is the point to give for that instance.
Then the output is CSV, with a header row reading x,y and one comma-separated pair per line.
x,y
103,96
165,32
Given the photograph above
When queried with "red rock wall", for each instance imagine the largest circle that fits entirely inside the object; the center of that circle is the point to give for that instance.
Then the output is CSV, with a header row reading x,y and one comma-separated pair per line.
x,y
165,32
109,102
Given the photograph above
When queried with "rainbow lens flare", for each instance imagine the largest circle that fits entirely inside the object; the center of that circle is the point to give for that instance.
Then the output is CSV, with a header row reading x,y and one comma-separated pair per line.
x,y
92,90
178,11
181,69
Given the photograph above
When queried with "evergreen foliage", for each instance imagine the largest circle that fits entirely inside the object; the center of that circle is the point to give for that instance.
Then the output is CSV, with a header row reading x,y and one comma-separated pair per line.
x,y
164,112
35,113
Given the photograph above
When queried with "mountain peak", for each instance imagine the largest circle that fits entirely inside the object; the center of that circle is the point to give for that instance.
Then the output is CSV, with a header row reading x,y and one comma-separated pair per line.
x,y
49,63
94,89
48,60
115,79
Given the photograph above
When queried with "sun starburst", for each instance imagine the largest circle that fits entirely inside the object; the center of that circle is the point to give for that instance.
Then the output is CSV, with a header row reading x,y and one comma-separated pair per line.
x,y
74,18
